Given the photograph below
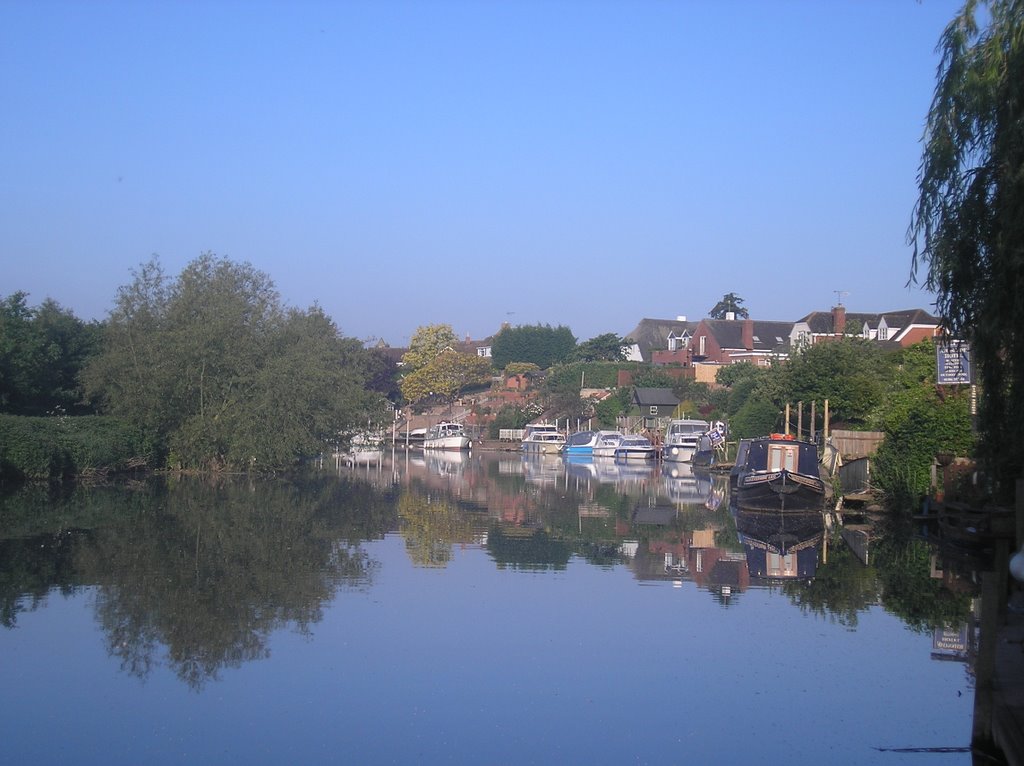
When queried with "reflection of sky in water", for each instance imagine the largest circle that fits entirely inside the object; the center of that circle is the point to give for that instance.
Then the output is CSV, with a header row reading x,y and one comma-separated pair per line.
x,y
474,664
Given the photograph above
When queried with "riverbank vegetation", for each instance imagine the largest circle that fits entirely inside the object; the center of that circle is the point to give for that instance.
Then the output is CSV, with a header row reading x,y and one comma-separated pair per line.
x,y
205,371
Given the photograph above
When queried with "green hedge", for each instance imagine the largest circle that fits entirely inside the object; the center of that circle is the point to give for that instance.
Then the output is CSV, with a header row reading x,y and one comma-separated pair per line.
x,y
61,447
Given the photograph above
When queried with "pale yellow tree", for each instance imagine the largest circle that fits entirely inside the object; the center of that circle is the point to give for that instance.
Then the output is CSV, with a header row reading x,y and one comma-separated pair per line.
x,y
427,342
446,375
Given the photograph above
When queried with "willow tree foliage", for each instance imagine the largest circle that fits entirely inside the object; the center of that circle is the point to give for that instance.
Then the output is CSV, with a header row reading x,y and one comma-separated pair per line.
x,y
220,375
967,229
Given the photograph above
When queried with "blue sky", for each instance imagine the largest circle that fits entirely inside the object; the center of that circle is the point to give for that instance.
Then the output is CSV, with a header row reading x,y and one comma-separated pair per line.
x,y
404,163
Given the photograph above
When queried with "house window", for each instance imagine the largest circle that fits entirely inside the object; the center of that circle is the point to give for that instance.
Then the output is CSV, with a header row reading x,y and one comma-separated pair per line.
x,y
883,333
654,409
703,350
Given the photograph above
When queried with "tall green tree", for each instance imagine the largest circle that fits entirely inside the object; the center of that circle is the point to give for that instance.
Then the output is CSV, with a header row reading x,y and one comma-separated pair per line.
x,y
967,229
608,347
849,372
42,352
543,345
730,303
220,375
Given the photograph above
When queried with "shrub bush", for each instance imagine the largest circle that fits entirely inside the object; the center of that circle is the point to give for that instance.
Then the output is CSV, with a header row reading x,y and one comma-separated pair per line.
x,y
59,447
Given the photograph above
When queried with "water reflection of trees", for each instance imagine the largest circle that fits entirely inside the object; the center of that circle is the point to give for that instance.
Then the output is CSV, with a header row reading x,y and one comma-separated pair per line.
x,y
431,526
205,571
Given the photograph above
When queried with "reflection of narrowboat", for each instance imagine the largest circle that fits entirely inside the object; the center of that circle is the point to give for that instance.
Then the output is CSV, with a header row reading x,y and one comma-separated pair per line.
x,y
777,471
781,545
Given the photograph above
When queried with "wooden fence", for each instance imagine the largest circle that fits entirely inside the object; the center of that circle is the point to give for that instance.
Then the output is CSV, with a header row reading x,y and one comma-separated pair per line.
x,y
853,444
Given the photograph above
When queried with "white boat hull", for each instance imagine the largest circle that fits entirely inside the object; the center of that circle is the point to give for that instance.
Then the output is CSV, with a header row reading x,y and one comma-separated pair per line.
x,y
448,443
679,453
542,448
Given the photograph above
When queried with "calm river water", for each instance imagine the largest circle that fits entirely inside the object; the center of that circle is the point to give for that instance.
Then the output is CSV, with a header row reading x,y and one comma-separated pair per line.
x,y
465,609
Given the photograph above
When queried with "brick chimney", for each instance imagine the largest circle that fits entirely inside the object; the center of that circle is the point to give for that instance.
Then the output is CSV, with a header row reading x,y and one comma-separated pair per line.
x,y
839,321
748,334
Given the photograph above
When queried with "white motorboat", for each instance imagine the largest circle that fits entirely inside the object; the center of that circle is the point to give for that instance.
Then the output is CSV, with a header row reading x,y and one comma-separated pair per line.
x,y
607,444
448,436
635,447
543,439
583,442
681,439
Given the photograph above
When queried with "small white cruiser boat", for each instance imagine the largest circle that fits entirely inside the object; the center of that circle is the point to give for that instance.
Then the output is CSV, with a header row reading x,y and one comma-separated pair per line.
x,y
583,442
543,439
606,444
635,448
446,435
681,439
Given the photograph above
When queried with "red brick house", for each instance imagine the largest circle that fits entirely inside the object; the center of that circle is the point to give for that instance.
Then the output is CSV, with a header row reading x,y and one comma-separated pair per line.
x,y
727,341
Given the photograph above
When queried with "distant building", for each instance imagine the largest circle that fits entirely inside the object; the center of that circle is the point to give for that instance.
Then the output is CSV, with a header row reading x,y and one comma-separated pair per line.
x,y
728,341
896,328
665,337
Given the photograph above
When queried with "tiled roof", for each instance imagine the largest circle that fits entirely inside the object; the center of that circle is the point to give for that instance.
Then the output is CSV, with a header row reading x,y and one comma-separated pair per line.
x,y
661,397
652,334
767,335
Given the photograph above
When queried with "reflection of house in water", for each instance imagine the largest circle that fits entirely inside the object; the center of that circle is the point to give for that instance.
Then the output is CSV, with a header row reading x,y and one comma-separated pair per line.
x,y
780,544
729,575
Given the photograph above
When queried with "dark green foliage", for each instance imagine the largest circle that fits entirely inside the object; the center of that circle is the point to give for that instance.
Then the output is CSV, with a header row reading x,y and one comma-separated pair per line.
x,y
608,410
511,416
42,351
608,347
54,448
755,418
652,377
542,345
730,303
920,420
968,225
849,372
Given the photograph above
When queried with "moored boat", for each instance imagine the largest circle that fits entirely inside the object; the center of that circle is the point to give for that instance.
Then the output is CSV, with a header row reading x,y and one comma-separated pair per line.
x,y
777,472
681,439
448,436
543,439
606,444
635,447
710,448
583,442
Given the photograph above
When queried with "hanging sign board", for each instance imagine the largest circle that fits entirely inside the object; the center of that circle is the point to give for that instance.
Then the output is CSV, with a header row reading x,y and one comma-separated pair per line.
x,y
953,360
